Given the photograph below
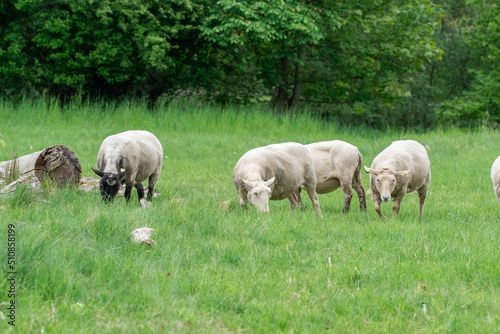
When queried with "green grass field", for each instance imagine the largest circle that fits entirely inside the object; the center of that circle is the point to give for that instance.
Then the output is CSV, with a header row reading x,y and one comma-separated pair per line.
x,y
238,271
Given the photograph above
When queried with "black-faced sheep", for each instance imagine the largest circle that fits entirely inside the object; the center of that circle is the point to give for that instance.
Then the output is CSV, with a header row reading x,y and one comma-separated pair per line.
x,y
129,157
275,172
401,168
338,164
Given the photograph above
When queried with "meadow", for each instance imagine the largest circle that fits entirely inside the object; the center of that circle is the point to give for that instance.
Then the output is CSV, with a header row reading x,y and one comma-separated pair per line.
x,y
229,269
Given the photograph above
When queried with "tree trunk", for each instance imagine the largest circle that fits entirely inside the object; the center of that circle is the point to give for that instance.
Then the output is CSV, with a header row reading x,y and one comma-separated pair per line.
x,y
293,103
57,163
279,100
459,78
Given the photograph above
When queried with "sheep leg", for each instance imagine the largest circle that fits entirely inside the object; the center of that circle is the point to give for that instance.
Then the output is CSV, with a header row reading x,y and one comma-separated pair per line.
x,y
299,200
379,210
150,192
396,205
152,182
346,188
140,193
395,208
422,202
361,194
315,201
128,192
376,201
357,184
293,201
140,190
422,194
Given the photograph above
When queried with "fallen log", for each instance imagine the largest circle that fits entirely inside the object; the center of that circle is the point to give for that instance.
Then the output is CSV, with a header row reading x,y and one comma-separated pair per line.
x,y
30,181
57,163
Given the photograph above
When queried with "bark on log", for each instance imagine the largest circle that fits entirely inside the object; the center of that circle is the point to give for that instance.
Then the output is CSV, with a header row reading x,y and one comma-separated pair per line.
x,y
57,163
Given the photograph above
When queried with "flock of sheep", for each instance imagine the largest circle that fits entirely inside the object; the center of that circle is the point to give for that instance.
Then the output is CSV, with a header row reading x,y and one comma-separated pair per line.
x,y
279,171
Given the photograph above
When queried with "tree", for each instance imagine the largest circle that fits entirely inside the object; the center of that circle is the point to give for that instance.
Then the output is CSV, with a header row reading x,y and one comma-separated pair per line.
x,y
439,79
348,59
271,38
481,101
336,53
109,48
362,69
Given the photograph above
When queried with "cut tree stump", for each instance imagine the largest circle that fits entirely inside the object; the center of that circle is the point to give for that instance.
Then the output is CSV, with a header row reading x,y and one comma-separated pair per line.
x,y
57,163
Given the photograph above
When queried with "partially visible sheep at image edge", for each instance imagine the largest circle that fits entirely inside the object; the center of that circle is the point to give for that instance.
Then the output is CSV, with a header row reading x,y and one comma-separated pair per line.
x,y
495,177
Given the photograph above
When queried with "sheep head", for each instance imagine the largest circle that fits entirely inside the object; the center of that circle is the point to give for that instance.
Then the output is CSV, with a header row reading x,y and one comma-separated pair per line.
x,y
385,181
259,193
109,184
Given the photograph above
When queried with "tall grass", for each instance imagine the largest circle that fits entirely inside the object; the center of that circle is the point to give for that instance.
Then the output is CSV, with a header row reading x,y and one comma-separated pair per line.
x,y
215,270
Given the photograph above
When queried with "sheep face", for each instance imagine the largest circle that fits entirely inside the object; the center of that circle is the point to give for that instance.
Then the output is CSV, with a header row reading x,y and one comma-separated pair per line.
x,y
385,181
259,194
109,184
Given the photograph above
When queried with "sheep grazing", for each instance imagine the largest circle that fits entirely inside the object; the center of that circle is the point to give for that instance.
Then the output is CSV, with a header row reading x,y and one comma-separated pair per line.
x,y
495,177
338,164
401,168
275,172
129,157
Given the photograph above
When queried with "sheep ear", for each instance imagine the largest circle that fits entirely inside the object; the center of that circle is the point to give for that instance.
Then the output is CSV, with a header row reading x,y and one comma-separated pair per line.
x,y
98,172
270,181
121,174
403,172
248,184
372,171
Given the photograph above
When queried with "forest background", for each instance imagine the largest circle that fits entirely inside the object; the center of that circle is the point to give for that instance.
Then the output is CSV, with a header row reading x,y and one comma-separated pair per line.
x,y
415,64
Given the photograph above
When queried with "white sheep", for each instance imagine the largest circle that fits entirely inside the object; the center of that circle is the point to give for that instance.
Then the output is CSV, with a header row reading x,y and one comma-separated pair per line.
x,y
129,157
495,177
401,168
338,164
275,172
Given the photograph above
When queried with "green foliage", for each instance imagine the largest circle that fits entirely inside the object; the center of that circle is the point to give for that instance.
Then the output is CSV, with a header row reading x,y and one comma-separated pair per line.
x,y
377,48
437,80
364,72
481,101
111,48
341,54
254,38
290,23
